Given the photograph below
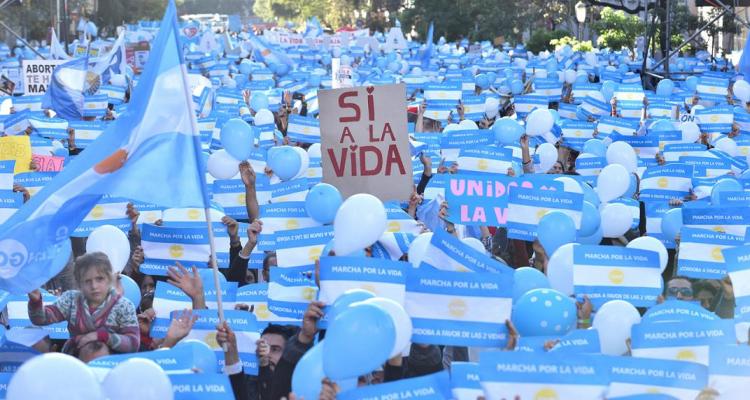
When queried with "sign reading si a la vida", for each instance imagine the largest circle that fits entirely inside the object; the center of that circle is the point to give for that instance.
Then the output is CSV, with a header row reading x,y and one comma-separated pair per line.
x,y
365,143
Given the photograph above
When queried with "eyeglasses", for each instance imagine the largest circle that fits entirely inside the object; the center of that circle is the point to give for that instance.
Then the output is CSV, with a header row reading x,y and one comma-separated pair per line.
x,y
685,292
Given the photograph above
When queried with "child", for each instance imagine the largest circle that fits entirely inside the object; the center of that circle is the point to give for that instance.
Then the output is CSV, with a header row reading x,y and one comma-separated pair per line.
x,y
94,313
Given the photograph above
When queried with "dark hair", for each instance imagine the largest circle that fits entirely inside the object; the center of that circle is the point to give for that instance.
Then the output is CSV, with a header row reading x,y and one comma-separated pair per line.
x,y
97,260
285,331
706,284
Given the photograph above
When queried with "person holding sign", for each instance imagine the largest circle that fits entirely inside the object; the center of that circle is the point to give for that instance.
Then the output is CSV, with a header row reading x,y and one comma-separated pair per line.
x,y
94,313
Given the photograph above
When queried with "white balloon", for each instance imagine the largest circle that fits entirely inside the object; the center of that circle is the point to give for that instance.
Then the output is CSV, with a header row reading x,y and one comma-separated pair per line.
x,y
221,165
570,185
570,75
690,132
418,248
401,321
491,107
616,220
741,89
468,124
547,156
452,127
137,378
263,117
54,376
359,222
539,121
653,244
622,153
314,150
560,269
613,322
727,145
111,241
305,161
696,108
475,244
612,182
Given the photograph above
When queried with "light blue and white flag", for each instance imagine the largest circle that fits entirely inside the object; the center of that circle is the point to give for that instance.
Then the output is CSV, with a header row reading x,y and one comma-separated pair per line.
x,y
448,253
634,376
526,207
34,181
168,298
18,315
201,386
164,246
738,268
115,94
701,252
6,174
567,110
729,370
290,191
451,144
680,341
86,131
465,383
731,220
576,133
27,103
488,160
589,166
606,273
673,152
230,194
443,91
16,123
458,308
384,278
524,104
645,147
175,361
473,107
285,216
397,220
256,296
654,213
10,202
664,183
595,106
712,88
290,291
678,311
629,92
107,211
579,341
550,88
301,247
435,386
95,105
303,129
715,119
136,158
608,124
511,374
55,128
439,110
632,110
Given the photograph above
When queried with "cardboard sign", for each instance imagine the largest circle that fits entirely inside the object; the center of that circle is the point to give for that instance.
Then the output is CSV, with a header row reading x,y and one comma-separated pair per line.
x,y
37,75
16,148
48,163
136,55
365,142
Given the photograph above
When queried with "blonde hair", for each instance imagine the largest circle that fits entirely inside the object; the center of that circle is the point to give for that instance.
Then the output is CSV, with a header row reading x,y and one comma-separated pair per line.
x,y
97,260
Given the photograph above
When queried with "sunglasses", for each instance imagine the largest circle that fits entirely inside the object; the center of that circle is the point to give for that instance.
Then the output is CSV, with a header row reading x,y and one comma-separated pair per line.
x,y
685,292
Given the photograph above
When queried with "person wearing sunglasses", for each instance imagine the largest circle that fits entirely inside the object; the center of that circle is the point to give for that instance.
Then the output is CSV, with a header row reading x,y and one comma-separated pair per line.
x,y
680,288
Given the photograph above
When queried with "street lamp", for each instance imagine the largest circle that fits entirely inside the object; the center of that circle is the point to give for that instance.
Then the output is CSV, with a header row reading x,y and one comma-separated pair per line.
x,y
581,9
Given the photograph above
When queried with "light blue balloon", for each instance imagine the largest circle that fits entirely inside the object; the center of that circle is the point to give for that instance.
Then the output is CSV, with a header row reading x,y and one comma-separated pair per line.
x,y
204,358
555,229
590,219
207,277
544,312
237,138
358,341
346,299
394,66
594,239
608,90
555,115
632,187
692,83
328,248
258,101
516,86
285,162
307,379
322,202
596,147
482,81
671,223
517,168
61,152
508,72
314,81
130,290
662,125
622,68
245,68
507,131
724,185
590,195
492,77
528,278
664,88
582,79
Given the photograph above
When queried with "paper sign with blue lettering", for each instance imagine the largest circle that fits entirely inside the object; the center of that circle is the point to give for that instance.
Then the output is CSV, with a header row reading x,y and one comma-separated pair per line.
x,y
95,106
230,195
55,128
729,369
164,246
715,119
551,88
439,110
6,174
634,375
465,384
473,107
201,387
294,190
290,290
168,298
579,341
509,375
595,106
174,361
738,267
589,166
115,94
681,341
713,88
525,104
526,207
616,273
645,147
701,253
443,91
458,308
10,202
485,160
664,183
18,315
630,92
13,355
447,252
27,103
608,124
483,200
16,123
397,220
301,247
256,296
303,129
731,220
707,165
576,133
427,387
678,311
245,329
108,211
734,199
86,131
33,181
285,216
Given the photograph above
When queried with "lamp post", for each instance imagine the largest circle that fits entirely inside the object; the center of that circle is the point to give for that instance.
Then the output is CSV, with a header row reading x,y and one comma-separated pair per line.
x,y
581,10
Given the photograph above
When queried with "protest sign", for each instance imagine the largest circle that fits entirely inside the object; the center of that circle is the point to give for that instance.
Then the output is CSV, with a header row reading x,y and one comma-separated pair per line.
x,y
365,143
635,375
48,163
447,252
37,75
526,207
682,341
729,369
465,381
701,252
201,387
428,387
17,148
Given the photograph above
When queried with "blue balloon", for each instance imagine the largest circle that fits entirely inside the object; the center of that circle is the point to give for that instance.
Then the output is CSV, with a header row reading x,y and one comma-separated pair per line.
x,y
308,374
662,125
258,101
237,138
381,62
555,229
508,73
590,195
544,312
207,277
61,152
130,290
358,341
314,81
596,147
245,68
528,278
394,67
608,90
590,219
328,248
346,299
282,69
555,115
724,185
582,78
632,187
492,77
325,59
594,239
671,223
507,131
516,86
322,202
482,81
284,162
622,68
692,83
664,88
204,358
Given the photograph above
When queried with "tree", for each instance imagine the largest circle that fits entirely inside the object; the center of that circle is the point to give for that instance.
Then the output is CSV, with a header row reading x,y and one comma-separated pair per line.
x,y
332,13
617,29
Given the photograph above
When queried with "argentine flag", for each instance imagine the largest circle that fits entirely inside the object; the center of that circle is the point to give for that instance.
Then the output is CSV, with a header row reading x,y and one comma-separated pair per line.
x,y
681,341
140,156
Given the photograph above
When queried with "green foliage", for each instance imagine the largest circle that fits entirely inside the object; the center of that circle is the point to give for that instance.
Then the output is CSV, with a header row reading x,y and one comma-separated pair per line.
x,y
333,13
540,40
617,29
574,43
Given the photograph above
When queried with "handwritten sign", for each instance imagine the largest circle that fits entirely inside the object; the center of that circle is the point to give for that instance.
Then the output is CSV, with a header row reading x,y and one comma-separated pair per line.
x,y
37,75
365,143
48,163
16,148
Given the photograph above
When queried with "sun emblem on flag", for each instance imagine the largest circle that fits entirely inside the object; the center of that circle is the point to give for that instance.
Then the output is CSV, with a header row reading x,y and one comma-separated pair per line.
x,y
314,253
546,394
717,255
662,182
97,212
308,293
616,276
457,308
261,310
394,226
719,229
686,355
370,288
241,199
292,224
540,214
193,214
176,251
483,165
210,340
